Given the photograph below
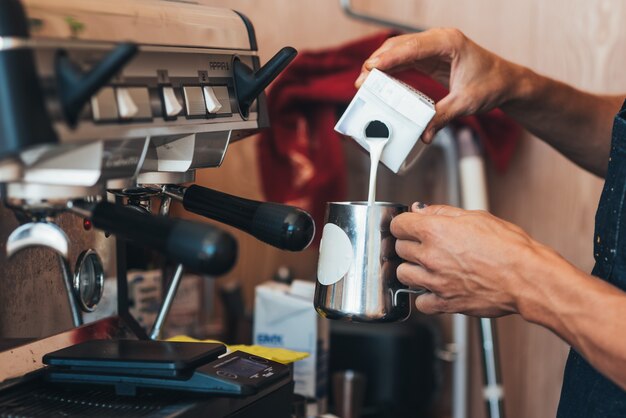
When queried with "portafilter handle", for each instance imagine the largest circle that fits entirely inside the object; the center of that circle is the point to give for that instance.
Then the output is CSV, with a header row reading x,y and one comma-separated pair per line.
x,y
282,226
200,247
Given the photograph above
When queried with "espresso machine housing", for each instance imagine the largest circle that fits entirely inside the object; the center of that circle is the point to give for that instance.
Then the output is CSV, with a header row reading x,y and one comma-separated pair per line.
x,y
105,106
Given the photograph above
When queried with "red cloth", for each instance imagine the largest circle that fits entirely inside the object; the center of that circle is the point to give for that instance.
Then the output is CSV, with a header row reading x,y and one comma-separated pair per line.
x,y
301,158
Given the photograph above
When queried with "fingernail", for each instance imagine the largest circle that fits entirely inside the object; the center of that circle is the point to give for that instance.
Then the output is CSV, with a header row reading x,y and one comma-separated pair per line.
x,y
372,62
419,206
360,80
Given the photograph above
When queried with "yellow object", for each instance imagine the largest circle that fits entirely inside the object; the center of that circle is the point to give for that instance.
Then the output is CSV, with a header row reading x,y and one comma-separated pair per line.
x,y
279,355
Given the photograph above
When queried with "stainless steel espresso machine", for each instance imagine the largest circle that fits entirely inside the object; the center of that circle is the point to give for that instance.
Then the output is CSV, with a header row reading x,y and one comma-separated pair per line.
x,y
105,108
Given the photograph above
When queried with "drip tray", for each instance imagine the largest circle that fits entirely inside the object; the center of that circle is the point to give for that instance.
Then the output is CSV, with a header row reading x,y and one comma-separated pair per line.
x,y
38,398
48,401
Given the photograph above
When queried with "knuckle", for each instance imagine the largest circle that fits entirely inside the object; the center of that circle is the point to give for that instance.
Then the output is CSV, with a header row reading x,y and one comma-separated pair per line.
x,y
403,272
398,220
392,40
412,42
427,260
401,248
430,304
441,305
434,227
455,37
422,305
406,251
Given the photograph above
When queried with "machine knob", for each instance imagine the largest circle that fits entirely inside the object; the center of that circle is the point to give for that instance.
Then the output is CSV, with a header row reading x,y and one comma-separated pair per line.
x,y
125,104
213,105
172,105
249,84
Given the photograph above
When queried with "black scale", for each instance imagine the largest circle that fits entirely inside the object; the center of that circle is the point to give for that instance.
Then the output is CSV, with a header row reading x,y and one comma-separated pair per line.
x,y
129,365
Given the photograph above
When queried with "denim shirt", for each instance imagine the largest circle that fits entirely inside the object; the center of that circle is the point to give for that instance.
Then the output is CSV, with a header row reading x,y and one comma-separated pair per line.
x,y
586,393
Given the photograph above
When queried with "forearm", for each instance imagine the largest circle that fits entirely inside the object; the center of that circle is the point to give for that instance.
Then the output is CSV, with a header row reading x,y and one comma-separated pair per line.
x,y
576,123
588,313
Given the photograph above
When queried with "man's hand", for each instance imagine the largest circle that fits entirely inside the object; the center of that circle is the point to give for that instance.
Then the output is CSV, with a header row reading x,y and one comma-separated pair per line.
x,y
470,261
474,263
576,123
478,79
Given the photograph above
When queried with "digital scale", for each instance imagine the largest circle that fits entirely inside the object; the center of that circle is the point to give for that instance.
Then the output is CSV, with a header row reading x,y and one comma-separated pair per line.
x,y
132,365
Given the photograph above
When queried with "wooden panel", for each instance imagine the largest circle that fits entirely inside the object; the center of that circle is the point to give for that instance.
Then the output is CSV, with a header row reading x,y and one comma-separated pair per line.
x,y
572,40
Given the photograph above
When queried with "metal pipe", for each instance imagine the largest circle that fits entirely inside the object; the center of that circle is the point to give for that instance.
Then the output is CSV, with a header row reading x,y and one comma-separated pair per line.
x,y
493,391
346,5
155,333
446,140
77,317
164,209
474,196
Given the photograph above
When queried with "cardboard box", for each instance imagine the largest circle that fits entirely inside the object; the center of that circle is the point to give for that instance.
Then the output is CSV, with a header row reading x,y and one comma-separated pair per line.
x,y
284,317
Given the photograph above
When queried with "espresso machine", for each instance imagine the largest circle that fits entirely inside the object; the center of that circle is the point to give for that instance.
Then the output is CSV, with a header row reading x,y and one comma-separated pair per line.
x,y
105,108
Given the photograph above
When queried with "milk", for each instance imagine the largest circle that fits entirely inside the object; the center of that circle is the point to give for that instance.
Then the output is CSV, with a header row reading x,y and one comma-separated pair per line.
x,y
404,111
376,137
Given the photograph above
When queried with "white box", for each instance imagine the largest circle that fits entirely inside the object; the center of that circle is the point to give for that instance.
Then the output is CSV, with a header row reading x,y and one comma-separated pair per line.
x,y
284,317
404,110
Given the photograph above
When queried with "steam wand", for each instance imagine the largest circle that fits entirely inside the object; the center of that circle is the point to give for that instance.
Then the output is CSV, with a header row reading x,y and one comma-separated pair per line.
x,y
172,289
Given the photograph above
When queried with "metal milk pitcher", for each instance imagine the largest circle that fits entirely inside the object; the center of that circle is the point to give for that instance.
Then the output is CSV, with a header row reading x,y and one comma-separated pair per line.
x,y
356,274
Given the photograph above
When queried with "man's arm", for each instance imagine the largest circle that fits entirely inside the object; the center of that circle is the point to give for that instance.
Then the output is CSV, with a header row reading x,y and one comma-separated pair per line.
x,y
588,313
576,123
474,263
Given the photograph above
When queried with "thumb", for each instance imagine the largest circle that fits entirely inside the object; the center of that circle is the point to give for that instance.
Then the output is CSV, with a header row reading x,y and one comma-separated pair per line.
x,y
442,210
447,109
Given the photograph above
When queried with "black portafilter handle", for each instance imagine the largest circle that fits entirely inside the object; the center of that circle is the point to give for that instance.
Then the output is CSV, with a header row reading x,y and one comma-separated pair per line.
x,y
200,247
282,226
249,84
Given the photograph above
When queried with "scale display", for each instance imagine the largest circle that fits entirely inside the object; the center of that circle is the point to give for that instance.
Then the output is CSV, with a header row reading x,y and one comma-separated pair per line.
x,y
243,367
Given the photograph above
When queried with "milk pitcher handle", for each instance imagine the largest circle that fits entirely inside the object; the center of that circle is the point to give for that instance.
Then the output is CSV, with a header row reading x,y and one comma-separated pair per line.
x,y
412,291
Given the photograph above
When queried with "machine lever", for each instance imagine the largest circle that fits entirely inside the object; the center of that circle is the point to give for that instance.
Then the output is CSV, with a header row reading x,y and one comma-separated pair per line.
x,y
76,88
249,84
201,247
282,226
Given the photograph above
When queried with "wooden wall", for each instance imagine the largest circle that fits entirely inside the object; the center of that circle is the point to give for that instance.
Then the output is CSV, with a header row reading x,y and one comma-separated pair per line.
x,y
573,40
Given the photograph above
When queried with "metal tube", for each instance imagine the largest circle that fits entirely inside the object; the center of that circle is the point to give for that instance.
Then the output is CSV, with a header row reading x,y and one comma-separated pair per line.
x,y
474,194
164,209
77,317
493,391
460,367
155,333
346,5
174,192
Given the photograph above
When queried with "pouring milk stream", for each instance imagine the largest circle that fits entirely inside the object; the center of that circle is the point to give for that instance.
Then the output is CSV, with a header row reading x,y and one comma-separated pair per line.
x,y
376,137
356,275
